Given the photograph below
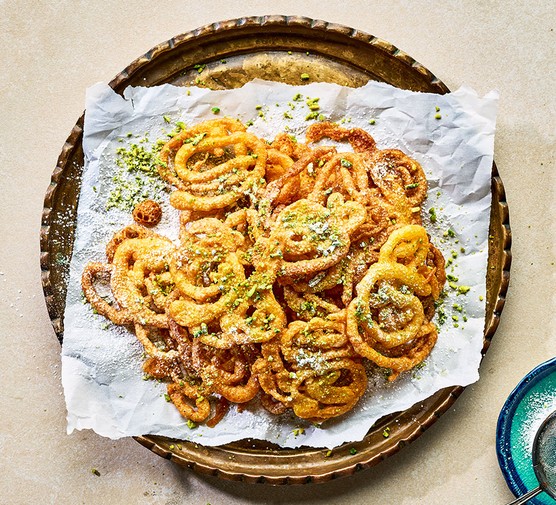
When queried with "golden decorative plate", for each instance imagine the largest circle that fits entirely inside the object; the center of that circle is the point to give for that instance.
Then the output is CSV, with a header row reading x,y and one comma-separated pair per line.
x,y
278,48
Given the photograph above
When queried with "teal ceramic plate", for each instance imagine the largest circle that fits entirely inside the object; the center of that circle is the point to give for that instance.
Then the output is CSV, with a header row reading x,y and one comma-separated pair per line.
x,y
528,405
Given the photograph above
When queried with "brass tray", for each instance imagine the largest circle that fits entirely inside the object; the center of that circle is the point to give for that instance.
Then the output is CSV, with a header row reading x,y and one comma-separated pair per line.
x,y
278,48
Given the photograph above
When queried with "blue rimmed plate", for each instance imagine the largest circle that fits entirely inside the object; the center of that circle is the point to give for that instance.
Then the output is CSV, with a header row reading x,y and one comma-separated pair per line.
x,y
528,405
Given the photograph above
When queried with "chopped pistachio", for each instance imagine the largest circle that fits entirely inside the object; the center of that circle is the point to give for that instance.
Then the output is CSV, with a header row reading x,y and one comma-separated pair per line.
x,y
312,103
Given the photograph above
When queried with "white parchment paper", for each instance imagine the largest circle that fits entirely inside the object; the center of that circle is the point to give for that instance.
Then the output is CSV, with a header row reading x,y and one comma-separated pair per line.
x,y
452,136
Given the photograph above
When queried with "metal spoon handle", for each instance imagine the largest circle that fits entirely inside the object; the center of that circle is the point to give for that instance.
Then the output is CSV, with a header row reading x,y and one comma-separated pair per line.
x,y
526,497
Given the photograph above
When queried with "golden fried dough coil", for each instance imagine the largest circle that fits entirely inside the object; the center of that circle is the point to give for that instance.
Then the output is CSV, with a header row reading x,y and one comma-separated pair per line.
x,y
297,267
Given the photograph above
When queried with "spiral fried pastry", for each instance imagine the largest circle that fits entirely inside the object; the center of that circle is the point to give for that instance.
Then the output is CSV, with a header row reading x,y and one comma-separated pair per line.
x,y
296,268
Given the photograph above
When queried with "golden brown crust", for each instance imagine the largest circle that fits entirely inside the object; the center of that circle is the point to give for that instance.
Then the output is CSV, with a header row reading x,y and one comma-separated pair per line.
x,y
147,213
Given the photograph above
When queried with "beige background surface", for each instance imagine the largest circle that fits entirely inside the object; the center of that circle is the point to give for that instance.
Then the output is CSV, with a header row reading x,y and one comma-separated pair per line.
x,y
52,51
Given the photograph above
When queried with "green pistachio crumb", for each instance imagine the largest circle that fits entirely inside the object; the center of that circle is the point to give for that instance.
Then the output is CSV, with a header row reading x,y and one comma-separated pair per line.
x,y
313,103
